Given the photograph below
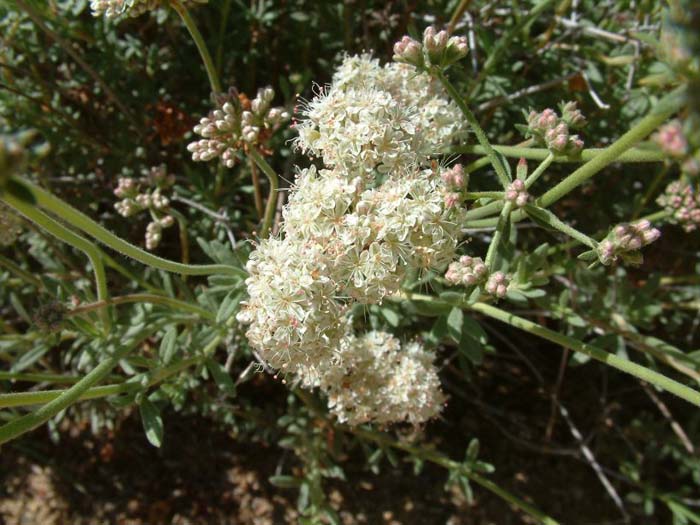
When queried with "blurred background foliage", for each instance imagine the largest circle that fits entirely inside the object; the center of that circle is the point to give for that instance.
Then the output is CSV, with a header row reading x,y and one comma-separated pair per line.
x,y
115,99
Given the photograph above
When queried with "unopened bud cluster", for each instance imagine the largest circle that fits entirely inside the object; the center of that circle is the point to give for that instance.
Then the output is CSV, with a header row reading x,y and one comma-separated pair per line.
x,y
236,123
626,238
467,271
472,271
671,140
455,181
682,200
438,49
136,199
115,8
554,131
497,284
517,193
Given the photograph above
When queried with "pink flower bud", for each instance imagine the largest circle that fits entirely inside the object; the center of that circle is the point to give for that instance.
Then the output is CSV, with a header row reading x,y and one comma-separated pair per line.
x,y
452,199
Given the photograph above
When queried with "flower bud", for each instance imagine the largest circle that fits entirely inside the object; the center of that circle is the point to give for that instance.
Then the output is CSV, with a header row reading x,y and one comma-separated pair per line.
x,y
572,115
409,51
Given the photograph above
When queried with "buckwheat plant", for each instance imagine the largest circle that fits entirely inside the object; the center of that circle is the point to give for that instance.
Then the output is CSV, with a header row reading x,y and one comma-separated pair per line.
x,y
403,227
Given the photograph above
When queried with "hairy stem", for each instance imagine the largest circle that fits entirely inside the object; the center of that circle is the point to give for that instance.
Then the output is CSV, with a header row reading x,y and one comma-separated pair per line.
x,y
666,107
144,298
199,42
21,425
539,170
634,155
490,260
476,128
271,205
73,239
84,223
638,371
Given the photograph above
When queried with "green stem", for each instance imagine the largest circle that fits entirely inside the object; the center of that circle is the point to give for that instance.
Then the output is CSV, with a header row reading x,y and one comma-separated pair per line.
x,y
449,464
666,107
634,155
86,224
491,208
556,223
477,164
503,220
474,195
38,377
539,171
144,298
199,42
19,272
40,397
476,127
23,424
640,372
73,239
271,206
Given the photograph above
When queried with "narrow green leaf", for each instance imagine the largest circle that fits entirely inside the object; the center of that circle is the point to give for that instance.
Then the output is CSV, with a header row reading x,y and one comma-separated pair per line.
x,y
152,422
284,482
222,378
455,320
167,345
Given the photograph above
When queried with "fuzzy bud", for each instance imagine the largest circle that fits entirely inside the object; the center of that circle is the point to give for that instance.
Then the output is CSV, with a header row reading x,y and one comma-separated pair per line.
x,y
497,284
572,115
517,193
409,51
467,271
671,140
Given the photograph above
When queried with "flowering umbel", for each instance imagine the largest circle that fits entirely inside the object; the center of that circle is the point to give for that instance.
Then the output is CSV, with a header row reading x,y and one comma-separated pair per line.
x,y
236,123
350,235
387,118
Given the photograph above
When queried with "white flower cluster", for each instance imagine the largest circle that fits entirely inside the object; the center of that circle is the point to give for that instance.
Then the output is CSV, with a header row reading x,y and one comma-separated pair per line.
x,y
10,225
372,117
380,381
236,123
115,8
350,235
341,245
134,200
